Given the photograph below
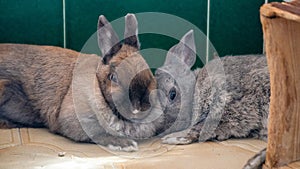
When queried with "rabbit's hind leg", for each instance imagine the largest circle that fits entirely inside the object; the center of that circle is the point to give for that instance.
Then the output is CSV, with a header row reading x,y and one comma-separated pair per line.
x,y
15,107
3,83
4,123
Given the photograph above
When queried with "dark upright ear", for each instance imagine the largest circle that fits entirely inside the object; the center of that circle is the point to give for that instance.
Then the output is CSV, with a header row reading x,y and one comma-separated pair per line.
x,y
131,31
184,51
108,40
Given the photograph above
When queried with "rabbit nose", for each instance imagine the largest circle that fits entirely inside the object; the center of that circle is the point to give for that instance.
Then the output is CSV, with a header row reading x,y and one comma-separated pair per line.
x,y
135,111
136,106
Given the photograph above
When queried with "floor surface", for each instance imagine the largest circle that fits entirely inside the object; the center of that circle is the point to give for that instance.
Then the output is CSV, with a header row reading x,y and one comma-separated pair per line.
x,y
28,148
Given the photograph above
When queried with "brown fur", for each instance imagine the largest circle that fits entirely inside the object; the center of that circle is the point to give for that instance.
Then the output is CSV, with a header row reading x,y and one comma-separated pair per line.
x,y
37,89
35,86
42,75
139,87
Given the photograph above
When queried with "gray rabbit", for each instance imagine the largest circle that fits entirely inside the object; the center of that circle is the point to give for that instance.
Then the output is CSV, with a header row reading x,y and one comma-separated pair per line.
x,y
228,98
45,86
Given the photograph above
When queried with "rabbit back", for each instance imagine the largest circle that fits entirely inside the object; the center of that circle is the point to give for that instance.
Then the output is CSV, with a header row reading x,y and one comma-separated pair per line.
x,y
232,99
36,80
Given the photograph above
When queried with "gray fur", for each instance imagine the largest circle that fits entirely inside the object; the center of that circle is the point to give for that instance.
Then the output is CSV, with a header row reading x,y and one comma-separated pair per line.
x,y
232,92
185,50
230,97
180,79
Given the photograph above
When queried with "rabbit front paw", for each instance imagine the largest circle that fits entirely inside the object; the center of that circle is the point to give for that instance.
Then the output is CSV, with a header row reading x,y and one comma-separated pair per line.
x,y
123,145
178,138
116,143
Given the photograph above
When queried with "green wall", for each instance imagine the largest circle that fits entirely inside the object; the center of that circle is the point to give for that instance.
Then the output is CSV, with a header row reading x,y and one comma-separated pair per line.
x,y
234,24
31,21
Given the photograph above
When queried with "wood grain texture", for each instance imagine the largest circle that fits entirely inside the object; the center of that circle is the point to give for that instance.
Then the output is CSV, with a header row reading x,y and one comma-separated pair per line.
x,y
282,39
290,11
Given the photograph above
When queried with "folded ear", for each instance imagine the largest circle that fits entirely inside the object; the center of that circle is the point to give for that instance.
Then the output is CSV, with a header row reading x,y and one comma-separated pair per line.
x,y
131,31
184,51
108,40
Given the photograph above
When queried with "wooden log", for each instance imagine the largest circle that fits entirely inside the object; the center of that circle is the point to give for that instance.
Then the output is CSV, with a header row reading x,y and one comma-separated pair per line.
x,y
281,27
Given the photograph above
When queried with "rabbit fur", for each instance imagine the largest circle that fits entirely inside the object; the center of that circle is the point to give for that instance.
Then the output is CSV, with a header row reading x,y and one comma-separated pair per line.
x,y
229,97
37,85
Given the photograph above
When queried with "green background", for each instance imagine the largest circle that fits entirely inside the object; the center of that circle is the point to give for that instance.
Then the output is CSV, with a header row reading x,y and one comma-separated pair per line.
x,y
234,24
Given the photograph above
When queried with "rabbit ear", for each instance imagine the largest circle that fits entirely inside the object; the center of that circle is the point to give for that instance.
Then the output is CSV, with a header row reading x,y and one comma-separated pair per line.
x,y
108,40
184,51
131,31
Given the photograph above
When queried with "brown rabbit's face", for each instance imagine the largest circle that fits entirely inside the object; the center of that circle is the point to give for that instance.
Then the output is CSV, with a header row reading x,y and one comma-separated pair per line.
x,y
126,82
125,79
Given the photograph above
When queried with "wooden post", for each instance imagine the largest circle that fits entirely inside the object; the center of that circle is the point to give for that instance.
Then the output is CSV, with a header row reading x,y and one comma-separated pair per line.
x,y
281,27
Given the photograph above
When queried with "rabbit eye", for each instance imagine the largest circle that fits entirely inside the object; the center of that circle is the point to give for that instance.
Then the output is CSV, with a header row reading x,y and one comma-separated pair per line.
x,y
172,94
113,77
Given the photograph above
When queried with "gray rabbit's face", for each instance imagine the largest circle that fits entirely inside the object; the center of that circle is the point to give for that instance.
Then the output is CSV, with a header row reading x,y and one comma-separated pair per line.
x,y
176,82
170,95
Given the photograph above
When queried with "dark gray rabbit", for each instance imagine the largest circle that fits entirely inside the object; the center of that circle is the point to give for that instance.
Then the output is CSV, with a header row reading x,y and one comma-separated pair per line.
x,y
229,96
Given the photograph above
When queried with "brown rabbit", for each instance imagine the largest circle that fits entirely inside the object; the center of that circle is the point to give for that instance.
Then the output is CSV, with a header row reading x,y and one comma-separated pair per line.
x,y
36,89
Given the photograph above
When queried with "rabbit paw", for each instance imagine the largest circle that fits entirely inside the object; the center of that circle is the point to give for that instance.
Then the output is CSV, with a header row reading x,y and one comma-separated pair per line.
x,y
123,145
179,138
116,143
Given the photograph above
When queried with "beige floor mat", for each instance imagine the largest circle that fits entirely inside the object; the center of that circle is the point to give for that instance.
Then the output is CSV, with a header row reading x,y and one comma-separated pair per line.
x,y
39,149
